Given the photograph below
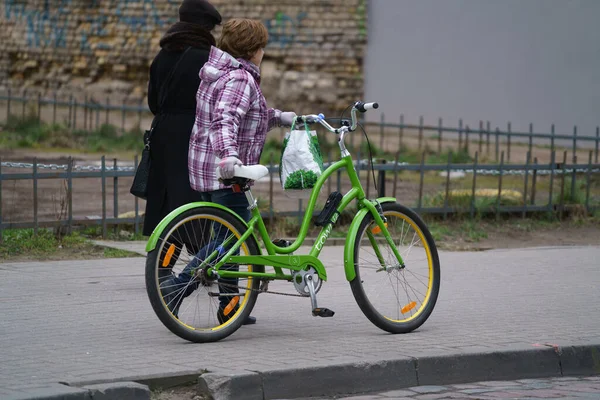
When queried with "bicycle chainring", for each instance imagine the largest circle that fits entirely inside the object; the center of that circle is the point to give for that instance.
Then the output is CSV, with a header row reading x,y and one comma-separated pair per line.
x,y
300,282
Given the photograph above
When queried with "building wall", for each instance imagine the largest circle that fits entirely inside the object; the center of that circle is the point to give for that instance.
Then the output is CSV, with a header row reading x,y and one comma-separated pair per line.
x,y
500,60
313,62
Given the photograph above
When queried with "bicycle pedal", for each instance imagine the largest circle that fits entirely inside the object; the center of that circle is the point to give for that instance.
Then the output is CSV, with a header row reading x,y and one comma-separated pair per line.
x,y
282,243
322,312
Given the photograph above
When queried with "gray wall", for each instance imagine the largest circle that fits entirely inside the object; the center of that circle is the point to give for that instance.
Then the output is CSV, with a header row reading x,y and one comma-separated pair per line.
x,y
498,60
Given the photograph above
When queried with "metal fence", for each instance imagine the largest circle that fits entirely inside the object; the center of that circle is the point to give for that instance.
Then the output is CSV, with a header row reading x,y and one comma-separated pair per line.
x,y
484,139
88,113
389,175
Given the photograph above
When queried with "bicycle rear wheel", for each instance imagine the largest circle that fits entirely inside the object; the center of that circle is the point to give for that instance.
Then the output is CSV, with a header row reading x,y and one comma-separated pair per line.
x,y
190,303
396,298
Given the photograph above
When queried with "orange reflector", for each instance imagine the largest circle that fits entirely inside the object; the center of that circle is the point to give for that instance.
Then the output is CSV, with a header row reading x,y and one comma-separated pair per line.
x,y
168,256
408,307
377,229
231,305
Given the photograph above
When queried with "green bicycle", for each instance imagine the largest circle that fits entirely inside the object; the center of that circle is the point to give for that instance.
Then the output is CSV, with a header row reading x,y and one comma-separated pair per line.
x,y
205,268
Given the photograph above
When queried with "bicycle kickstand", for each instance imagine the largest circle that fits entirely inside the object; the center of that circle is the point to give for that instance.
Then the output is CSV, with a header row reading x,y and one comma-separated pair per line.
x,y
316,312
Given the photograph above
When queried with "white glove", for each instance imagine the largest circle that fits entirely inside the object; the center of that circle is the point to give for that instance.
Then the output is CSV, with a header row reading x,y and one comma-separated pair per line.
x,y
287,118
227,166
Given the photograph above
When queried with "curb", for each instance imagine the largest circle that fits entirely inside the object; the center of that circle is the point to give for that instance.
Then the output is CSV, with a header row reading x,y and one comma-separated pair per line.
x,y
542,361
104,391
364,377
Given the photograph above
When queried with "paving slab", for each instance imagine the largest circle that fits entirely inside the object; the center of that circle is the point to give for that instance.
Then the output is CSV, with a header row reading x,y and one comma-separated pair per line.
x,y
85,322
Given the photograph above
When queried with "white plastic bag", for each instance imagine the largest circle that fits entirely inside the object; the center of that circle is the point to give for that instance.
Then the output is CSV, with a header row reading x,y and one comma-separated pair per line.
x,y
301,162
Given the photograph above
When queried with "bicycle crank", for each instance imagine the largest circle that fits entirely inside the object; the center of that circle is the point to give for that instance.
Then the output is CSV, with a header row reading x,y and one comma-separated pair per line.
x,y
299,281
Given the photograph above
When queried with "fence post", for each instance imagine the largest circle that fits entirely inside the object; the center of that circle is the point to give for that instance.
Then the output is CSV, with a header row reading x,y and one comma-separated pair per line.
x,y
472,202
136,204
574,143
508,144
122,118
54,105
497,144
70,195
381,181
597,142
562,186
97,116
422,171
23,103
487,131
8,104
85,113
75,114
500,171
573,178
1,238
396,169
460,134
448,183
35,197
420,132
39,107
467,139
439,136
553,133
115,195
551,186
534,180
107,108
526,179
401,132
103,178
530,149
70,112
381,129
480,136
587,184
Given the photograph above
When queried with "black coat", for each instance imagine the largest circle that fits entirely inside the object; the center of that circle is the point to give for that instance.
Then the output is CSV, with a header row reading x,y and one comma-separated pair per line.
x,y
168,184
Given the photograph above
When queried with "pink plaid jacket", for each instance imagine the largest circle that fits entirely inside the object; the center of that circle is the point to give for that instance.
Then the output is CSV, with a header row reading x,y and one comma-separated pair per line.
x,y
232,118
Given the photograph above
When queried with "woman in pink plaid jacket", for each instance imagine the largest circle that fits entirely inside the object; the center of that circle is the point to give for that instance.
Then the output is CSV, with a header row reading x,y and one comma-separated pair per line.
x,y
232,121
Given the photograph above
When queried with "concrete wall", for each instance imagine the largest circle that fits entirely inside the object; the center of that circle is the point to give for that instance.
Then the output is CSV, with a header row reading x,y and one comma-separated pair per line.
x,y
499,60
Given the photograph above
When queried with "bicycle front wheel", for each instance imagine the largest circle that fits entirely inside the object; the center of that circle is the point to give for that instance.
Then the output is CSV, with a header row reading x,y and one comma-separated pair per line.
x,y
397,298
190,302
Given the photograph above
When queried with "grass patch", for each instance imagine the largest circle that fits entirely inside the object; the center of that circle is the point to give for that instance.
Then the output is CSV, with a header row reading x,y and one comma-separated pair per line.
x,y
24,244
28,132
118,253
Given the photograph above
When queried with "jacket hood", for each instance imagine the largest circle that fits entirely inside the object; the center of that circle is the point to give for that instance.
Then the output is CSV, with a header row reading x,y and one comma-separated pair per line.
x,y
220,63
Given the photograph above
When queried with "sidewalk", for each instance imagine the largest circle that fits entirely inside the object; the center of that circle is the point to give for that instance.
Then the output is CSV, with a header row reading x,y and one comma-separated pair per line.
x,y
502,314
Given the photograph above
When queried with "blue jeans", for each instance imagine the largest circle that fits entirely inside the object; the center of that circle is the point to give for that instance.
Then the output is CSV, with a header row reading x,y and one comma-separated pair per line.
x,y
238,203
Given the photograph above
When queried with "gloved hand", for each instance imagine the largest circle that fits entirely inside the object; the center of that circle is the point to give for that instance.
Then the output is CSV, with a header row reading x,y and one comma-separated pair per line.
x,y
287,118
227,166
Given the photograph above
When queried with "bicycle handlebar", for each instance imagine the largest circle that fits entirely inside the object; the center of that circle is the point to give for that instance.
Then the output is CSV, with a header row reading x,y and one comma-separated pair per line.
x,y
358,106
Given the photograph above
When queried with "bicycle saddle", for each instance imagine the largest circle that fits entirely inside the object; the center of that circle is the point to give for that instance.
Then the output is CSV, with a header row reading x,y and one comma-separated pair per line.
x,y
250,172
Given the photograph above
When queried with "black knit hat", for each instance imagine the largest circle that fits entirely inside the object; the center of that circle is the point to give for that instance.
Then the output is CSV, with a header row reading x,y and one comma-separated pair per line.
x,y
199,12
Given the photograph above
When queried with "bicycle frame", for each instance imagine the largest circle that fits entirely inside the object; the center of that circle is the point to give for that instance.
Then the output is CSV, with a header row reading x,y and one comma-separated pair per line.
x,y
281,257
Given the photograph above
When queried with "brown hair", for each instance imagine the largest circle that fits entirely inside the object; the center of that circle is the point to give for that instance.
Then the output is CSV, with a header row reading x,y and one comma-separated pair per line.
x,y
242,37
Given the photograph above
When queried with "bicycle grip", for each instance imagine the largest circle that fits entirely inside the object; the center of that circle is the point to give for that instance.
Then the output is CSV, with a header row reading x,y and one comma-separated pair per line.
x,y
363,107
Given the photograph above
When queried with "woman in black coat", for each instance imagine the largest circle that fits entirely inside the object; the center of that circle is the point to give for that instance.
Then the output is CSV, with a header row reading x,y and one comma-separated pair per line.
x,y
172,100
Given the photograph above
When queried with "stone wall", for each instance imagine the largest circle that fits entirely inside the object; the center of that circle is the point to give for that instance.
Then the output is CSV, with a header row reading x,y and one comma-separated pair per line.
x,y
104,48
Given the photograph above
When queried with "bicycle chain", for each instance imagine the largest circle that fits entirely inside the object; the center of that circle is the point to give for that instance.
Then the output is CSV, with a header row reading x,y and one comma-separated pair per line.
x,y
261,290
